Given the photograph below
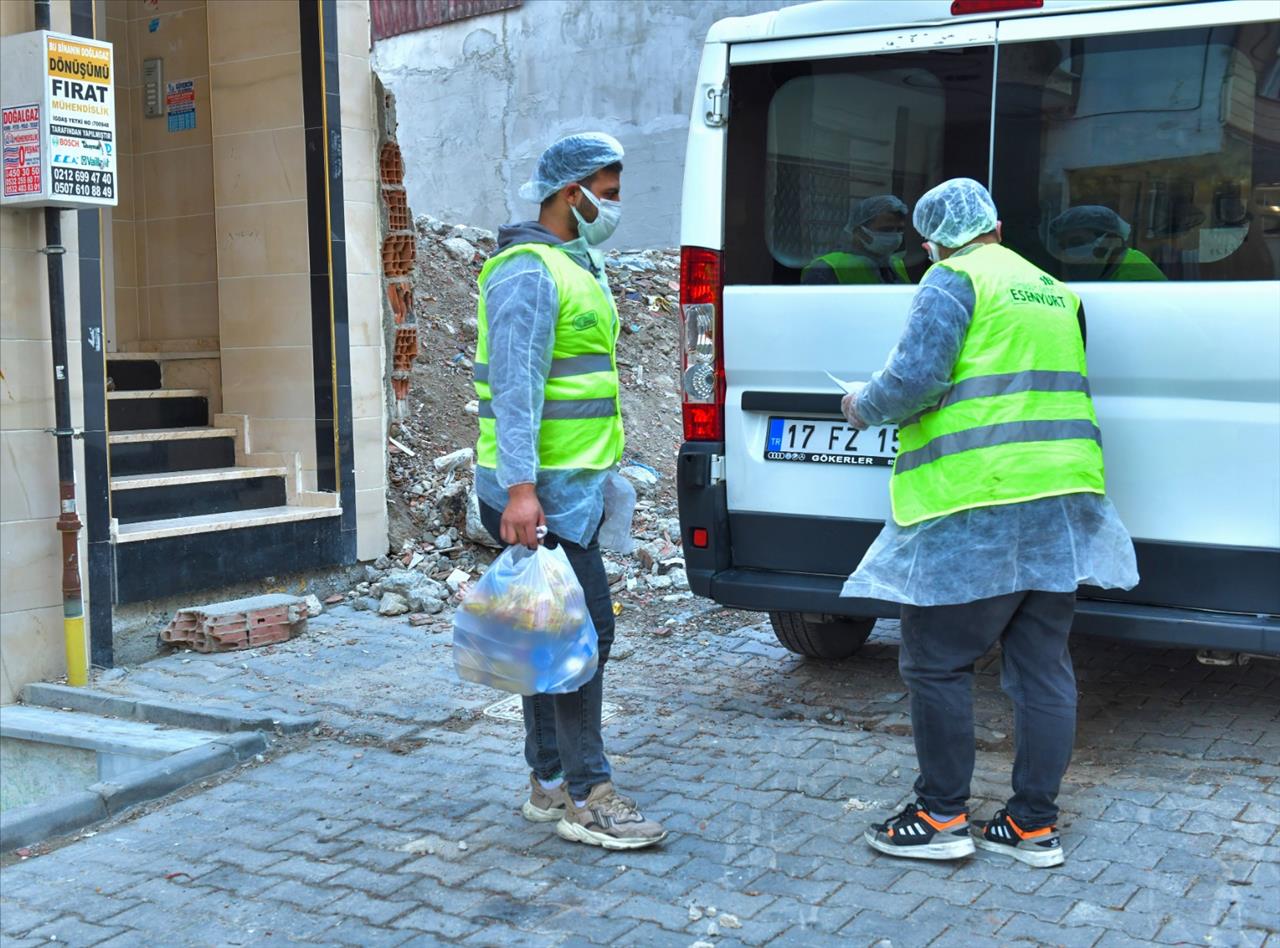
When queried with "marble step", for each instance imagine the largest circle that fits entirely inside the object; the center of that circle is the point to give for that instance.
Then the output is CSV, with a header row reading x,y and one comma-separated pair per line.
x,y
213,523
200,476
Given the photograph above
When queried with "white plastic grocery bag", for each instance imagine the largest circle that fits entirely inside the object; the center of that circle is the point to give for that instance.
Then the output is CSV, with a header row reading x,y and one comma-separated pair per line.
x,y
524,627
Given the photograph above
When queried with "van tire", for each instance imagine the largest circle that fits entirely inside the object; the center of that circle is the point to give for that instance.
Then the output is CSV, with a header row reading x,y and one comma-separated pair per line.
x,y
832,639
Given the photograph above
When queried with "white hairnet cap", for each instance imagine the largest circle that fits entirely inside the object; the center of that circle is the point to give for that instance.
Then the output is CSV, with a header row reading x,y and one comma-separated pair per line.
x,y
1093,217
568,160
955,212
870,208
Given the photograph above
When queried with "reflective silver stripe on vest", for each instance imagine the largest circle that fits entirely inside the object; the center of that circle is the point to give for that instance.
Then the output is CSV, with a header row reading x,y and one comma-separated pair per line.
x,y
1009,432
561,368
561,409
580,365
1007,383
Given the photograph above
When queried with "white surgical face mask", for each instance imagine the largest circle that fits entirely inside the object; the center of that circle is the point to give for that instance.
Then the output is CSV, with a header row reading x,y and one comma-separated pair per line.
x,y
932,250
881,243
608,216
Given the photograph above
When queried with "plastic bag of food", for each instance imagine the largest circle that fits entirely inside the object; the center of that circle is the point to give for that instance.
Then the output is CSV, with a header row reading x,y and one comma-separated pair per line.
x,y
619,509
524,626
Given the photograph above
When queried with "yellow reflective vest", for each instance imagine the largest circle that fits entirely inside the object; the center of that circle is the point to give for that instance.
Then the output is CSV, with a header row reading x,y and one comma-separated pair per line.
x,y
581,417
1136,265
1017,422
853,269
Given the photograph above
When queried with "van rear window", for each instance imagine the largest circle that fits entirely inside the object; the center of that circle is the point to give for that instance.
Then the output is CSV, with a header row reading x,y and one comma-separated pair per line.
x,y
826,159
1152,156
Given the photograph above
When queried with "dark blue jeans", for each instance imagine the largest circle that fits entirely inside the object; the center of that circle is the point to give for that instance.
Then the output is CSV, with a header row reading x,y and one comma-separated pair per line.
x,y
939,647
562,733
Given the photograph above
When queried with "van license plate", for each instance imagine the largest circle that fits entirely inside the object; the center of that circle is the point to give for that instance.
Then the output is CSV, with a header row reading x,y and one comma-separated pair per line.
x,y
822,441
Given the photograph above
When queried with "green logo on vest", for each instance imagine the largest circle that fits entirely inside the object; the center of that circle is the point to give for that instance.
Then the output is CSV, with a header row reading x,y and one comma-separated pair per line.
x,y
586,321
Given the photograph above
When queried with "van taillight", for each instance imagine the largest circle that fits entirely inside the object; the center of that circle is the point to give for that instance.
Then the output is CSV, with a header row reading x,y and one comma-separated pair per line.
x,y
702,344
962,7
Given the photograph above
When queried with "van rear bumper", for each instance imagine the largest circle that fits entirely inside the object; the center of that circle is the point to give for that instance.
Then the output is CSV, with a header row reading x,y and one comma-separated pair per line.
x,y
762,591
767,563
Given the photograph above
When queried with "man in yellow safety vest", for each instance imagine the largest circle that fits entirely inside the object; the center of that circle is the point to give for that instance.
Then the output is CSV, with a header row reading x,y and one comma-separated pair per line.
x,y
999,512
546,376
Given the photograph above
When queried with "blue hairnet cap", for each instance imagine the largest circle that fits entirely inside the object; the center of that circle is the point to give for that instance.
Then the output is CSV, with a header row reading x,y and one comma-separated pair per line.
x,y
1093,217
870,208
570,159
955,212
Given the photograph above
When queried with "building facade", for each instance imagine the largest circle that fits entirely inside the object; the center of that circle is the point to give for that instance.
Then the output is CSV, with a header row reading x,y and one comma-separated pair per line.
x,y
224,321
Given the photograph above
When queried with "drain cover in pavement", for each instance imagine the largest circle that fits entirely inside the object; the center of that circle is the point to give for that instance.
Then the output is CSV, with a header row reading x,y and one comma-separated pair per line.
x,y
509,709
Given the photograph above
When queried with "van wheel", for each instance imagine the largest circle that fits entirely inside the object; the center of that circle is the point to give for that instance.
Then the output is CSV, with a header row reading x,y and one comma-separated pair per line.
x,y
828,637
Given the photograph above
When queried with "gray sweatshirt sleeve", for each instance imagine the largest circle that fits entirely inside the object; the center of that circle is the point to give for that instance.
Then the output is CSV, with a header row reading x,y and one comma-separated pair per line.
x,y
920,365
521,303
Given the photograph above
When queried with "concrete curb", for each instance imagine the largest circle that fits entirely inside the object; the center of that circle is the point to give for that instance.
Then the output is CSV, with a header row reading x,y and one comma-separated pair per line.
x,y
163,712
31,824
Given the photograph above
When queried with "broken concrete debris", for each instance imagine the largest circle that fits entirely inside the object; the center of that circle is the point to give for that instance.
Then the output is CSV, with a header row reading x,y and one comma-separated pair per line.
x,y
438,543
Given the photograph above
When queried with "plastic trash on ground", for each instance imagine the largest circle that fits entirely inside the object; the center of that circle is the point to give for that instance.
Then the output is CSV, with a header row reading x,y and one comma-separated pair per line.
x,y
619,510
524,626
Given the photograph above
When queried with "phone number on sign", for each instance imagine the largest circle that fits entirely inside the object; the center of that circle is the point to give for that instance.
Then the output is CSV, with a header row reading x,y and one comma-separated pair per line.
x,y
98,184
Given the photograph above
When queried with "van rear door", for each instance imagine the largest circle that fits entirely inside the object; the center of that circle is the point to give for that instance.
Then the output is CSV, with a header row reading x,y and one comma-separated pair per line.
x,y
1134,155
817,126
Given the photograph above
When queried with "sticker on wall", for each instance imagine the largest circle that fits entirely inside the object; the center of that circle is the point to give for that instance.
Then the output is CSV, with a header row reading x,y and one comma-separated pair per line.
x,y
22,150
180,103
82,161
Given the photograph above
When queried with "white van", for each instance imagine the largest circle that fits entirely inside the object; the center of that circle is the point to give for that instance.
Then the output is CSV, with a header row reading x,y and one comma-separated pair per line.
x,y
1163,116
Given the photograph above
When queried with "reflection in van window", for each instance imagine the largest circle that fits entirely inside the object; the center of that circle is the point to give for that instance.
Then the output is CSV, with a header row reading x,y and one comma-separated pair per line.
x,y
873,240
1142,157
827,157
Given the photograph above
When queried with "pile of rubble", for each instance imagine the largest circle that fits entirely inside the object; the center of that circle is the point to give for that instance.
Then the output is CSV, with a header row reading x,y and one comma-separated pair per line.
x,y
438,545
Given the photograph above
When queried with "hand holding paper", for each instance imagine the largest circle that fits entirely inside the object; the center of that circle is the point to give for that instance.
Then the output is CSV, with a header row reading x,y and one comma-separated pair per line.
x,y
849,388
848,404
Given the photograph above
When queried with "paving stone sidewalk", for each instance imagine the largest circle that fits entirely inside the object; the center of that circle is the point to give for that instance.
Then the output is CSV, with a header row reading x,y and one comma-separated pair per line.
x,y
398,823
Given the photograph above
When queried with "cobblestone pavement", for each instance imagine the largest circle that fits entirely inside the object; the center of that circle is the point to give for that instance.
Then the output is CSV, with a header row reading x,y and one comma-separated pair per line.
x,y
765,767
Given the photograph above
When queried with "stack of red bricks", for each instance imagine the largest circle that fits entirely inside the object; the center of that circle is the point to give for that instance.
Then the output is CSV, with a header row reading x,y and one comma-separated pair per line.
x,y
237,624
399,250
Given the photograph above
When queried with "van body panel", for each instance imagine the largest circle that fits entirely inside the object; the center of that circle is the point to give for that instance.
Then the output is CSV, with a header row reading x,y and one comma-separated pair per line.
x,y
785,339
702,200
856,44
1101,23
840,16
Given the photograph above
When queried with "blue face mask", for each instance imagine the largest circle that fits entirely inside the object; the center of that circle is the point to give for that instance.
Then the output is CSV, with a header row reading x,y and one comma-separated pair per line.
x,y
608,216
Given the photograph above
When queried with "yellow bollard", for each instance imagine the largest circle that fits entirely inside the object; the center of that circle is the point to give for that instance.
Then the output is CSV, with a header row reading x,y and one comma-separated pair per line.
x,y
77,651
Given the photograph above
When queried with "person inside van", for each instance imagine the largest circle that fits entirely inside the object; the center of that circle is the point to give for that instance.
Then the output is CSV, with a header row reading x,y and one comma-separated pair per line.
x,y
1093,241
874,232
999,513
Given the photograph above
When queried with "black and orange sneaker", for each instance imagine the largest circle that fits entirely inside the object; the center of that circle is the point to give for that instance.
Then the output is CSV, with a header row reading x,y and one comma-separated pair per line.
x,y
915,834
1037,847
